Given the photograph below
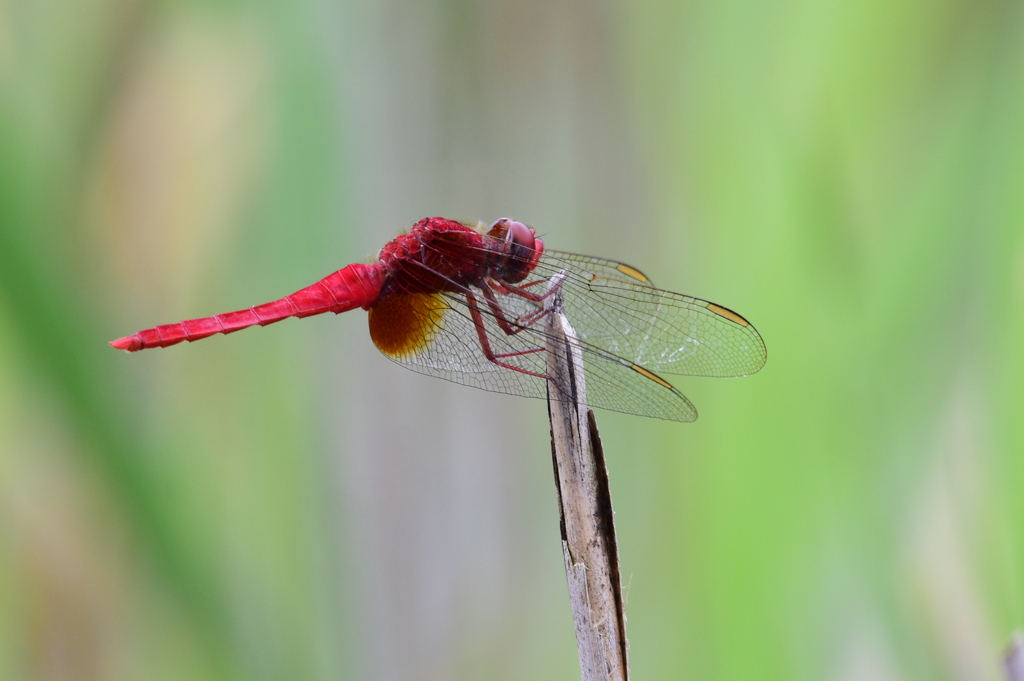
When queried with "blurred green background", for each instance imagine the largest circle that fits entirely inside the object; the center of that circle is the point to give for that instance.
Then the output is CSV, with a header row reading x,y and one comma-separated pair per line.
x,y
285,503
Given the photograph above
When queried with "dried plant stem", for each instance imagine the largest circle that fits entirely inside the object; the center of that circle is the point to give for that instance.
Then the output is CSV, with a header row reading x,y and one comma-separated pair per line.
x,y
585,507
1013,659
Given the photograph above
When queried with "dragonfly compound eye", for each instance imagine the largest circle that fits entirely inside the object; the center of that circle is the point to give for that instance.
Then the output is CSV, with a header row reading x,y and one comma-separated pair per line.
x,y
520,235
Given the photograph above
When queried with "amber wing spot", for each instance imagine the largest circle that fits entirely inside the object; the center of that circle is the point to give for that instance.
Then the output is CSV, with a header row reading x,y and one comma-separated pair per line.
x,y
728,314
401,325
631,272
651,375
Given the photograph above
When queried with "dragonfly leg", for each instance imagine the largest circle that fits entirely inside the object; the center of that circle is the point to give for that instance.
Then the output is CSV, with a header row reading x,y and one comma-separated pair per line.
x,y
519,354
525,321
485,343
510,327
521,291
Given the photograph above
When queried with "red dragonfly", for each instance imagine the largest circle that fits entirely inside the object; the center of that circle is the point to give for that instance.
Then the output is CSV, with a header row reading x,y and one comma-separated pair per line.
x,y
467,304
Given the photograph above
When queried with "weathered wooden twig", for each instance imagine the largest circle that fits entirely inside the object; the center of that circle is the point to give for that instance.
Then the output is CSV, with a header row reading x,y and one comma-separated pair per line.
x,y
1013,658
585,506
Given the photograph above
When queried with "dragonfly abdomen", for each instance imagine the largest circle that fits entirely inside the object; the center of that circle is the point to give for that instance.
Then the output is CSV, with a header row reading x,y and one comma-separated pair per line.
x,y
356,285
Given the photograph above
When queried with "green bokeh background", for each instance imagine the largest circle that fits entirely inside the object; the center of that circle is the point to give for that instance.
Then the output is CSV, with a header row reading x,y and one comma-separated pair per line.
x,y
285,503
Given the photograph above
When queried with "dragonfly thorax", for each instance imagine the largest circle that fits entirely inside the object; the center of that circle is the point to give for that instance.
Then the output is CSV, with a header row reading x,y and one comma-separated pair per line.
x,y
444,256
436,256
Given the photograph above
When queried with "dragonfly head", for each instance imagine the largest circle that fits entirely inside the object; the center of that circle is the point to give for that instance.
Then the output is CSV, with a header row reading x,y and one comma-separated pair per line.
x,y
517,249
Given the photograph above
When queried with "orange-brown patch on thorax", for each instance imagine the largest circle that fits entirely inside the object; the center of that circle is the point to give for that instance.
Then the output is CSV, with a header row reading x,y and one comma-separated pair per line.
x,y
403,324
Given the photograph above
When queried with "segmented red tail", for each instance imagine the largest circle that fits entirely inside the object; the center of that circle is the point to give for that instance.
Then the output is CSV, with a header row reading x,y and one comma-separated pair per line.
x,y
350,287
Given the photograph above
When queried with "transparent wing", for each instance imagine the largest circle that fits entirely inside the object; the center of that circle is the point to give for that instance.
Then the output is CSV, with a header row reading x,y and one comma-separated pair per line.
x,y
602,267
451,349
629,333
663,331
